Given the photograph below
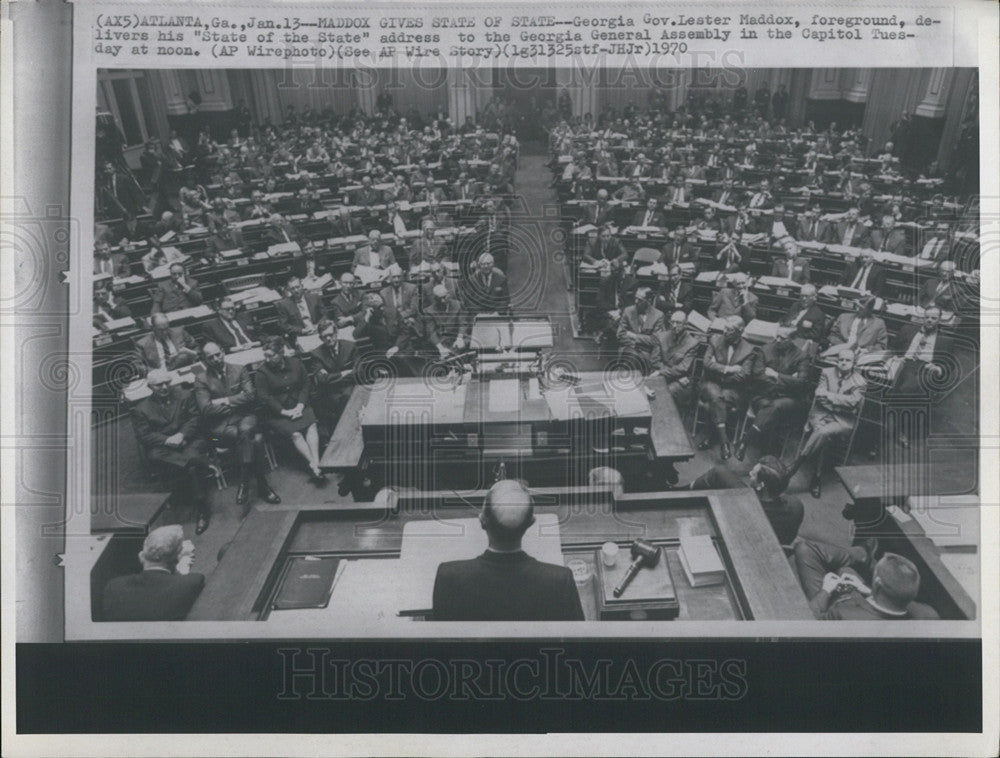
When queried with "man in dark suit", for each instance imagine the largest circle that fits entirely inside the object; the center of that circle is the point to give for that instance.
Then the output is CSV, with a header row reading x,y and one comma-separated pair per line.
x,y
887,238
768,480
780,390
299,311
732,365
279,231
334,363
118,264
937,244
848,231
166,425
676,293
445,325
367,195
597,212
608,255
650,215
805,316
485,288
680,248
226,400
176,293
831,577
867,275
923,348
727,195
229,329
505,583
347,304
107,307
942,291
165,346
809,227
675,354
639,325
159,592
792,267
401,306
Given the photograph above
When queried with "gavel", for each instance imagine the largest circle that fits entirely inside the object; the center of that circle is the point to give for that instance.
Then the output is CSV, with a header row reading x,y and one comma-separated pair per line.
x,y
644,555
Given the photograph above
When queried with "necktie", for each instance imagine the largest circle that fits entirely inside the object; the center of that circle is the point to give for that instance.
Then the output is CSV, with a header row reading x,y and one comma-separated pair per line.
x,y
646,220
917,346
791,271
167,348
237,331
932,248
861,278
881,245
852,338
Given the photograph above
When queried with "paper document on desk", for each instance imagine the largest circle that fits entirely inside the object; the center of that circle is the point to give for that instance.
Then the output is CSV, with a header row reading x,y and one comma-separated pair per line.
x,y
504,395
629,396
367,274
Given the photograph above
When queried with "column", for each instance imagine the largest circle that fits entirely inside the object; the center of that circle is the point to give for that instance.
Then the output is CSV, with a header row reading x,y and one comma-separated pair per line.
x,y
461,95
855,84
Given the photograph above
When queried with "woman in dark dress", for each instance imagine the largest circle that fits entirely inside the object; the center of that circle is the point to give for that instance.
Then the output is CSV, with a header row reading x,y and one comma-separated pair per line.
x,y
283,390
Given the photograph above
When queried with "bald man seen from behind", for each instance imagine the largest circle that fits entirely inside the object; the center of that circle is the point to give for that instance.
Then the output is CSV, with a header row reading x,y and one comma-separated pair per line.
x,y
505,583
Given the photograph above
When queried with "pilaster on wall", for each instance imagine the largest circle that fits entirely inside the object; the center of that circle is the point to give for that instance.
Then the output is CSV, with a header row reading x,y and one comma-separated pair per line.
x,y
581,88
462,86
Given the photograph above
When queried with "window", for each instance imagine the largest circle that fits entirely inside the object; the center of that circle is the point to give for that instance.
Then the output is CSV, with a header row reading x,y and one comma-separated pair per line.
x,y
125,95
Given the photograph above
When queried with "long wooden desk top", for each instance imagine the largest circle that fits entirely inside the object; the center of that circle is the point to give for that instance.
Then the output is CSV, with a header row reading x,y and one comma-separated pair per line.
x,y
761,571
668,436
945,476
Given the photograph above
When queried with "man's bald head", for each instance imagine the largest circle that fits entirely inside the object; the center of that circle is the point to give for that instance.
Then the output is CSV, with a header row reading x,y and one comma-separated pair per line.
x,y
507,514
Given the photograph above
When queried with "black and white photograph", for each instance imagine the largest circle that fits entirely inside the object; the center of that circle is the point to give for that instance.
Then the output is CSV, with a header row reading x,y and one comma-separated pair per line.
x,y
474,346
463,370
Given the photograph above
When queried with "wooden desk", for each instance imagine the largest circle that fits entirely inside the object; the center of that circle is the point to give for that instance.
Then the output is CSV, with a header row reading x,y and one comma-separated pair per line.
x,y
761,583
126,514
453,424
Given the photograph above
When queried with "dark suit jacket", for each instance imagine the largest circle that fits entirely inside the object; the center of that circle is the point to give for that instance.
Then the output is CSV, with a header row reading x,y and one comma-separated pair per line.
x,y
745,355
901,343
657,219
405,304
946,299
216,331
485,297
289,318
275,237
814,317
505,587
895,242
151,596
800,273
168,297
674,359
611,250
342,308
835,234
235,384
176,335
876,277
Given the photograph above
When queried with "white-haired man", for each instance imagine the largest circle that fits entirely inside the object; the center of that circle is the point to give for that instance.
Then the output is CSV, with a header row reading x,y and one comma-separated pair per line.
x,y
159,592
